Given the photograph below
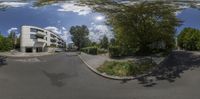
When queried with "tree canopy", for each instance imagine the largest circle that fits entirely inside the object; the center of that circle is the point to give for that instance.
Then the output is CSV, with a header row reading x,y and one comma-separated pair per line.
x,y
140,26
6,43
189,39
80,36
104,43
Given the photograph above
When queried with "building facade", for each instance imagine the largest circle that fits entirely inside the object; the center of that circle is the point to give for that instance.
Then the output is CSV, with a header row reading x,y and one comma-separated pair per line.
x,y
35,39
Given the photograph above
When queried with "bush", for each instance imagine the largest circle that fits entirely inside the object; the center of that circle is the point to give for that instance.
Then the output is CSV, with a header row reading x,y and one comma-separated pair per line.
x,y
117,68
101,51
189,39
127,68
90,50
115,51
6,44
104,43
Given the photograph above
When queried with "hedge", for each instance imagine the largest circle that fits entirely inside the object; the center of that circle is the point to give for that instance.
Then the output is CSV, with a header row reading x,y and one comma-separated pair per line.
x,y
115,51
90,50
101,51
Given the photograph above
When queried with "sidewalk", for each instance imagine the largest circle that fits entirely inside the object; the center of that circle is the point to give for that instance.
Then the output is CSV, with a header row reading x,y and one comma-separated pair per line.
x,y
97,60
94,61
20,54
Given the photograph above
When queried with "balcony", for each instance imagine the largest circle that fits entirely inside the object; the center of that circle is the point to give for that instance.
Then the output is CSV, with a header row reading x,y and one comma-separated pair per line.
x,y
59,42
53,40
41,34
53,36
41,40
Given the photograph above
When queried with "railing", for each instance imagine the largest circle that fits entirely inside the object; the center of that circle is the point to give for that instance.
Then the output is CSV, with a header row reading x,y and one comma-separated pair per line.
x,y
40,33
53,40
40,40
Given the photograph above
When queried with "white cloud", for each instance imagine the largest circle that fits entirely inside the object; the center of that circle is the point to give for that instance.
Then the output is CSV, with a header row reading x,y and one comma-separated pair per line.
x,y
13,4
64,34
128,2
12,29
53,29
72,7
178,12
97,32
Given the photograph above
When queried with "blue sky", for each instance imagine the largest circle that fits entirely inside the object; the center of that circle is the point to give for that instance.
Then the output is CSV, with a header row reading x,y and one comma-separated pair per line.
x,y
57,17
60,17
191,18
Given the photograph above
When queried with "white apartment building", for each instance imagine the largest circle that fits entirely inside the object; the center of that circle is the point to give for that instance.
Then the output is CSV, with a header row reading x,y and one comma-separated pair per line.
x,y
35,39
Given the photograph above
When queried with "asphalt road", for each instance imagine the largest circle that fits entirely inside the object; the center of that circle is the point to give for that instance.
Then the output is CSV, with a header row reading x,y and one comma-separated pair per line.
x,y
66,77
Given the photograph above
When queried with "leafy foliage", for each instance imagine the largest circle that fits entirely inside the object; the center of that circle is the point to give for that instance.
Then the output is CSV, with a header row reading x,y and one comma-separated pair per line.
x,y
97,2
90,50
104,43
117,68
127,68
46,2
112,42
189,39
6,43
93,50
88,2
80,36
115,51
140,26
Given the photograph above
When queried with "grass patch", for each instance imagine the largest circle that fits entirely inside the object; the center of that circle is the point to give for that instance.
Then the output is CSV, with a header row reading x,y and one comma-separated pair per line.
x,y
128,68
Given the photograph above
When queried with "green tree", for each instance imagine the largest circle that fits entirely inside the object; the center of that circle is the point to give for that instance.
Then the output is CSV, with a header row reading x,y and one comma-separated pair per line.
x,y
104,43
87,42
80,36
13,38
189,39
112,41
17,45
140,26
5,43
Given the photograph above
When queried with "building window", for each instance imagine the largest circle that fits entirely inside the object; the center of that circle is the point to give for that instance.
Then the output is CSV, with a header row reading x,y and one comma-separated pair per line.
x,y
33,36
40,30
33,30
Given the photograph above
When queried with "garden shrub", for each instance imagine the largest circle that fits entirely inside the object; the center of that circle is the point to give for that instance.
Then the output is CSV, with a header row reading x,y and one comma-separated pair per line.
x,y
90,50
127,68
189,39
101,51
6,44
117,68
115,51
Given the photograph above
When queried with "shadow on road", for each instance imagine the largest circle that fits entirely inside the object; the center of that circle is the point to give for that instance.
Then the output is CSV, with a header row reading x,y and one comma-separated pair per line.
x,y
2,64
56,78
172,67
3,61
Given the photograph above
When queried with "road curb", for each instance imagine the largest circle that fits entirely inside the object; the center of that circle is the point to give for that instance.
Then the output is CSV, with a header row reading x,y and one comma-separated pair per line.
x,y
13,56
108,76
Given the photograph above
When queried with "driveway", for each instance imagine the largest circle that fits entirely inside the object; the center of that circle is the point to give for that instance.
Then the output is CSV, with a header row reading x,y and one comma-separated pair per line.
x,y
65,76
